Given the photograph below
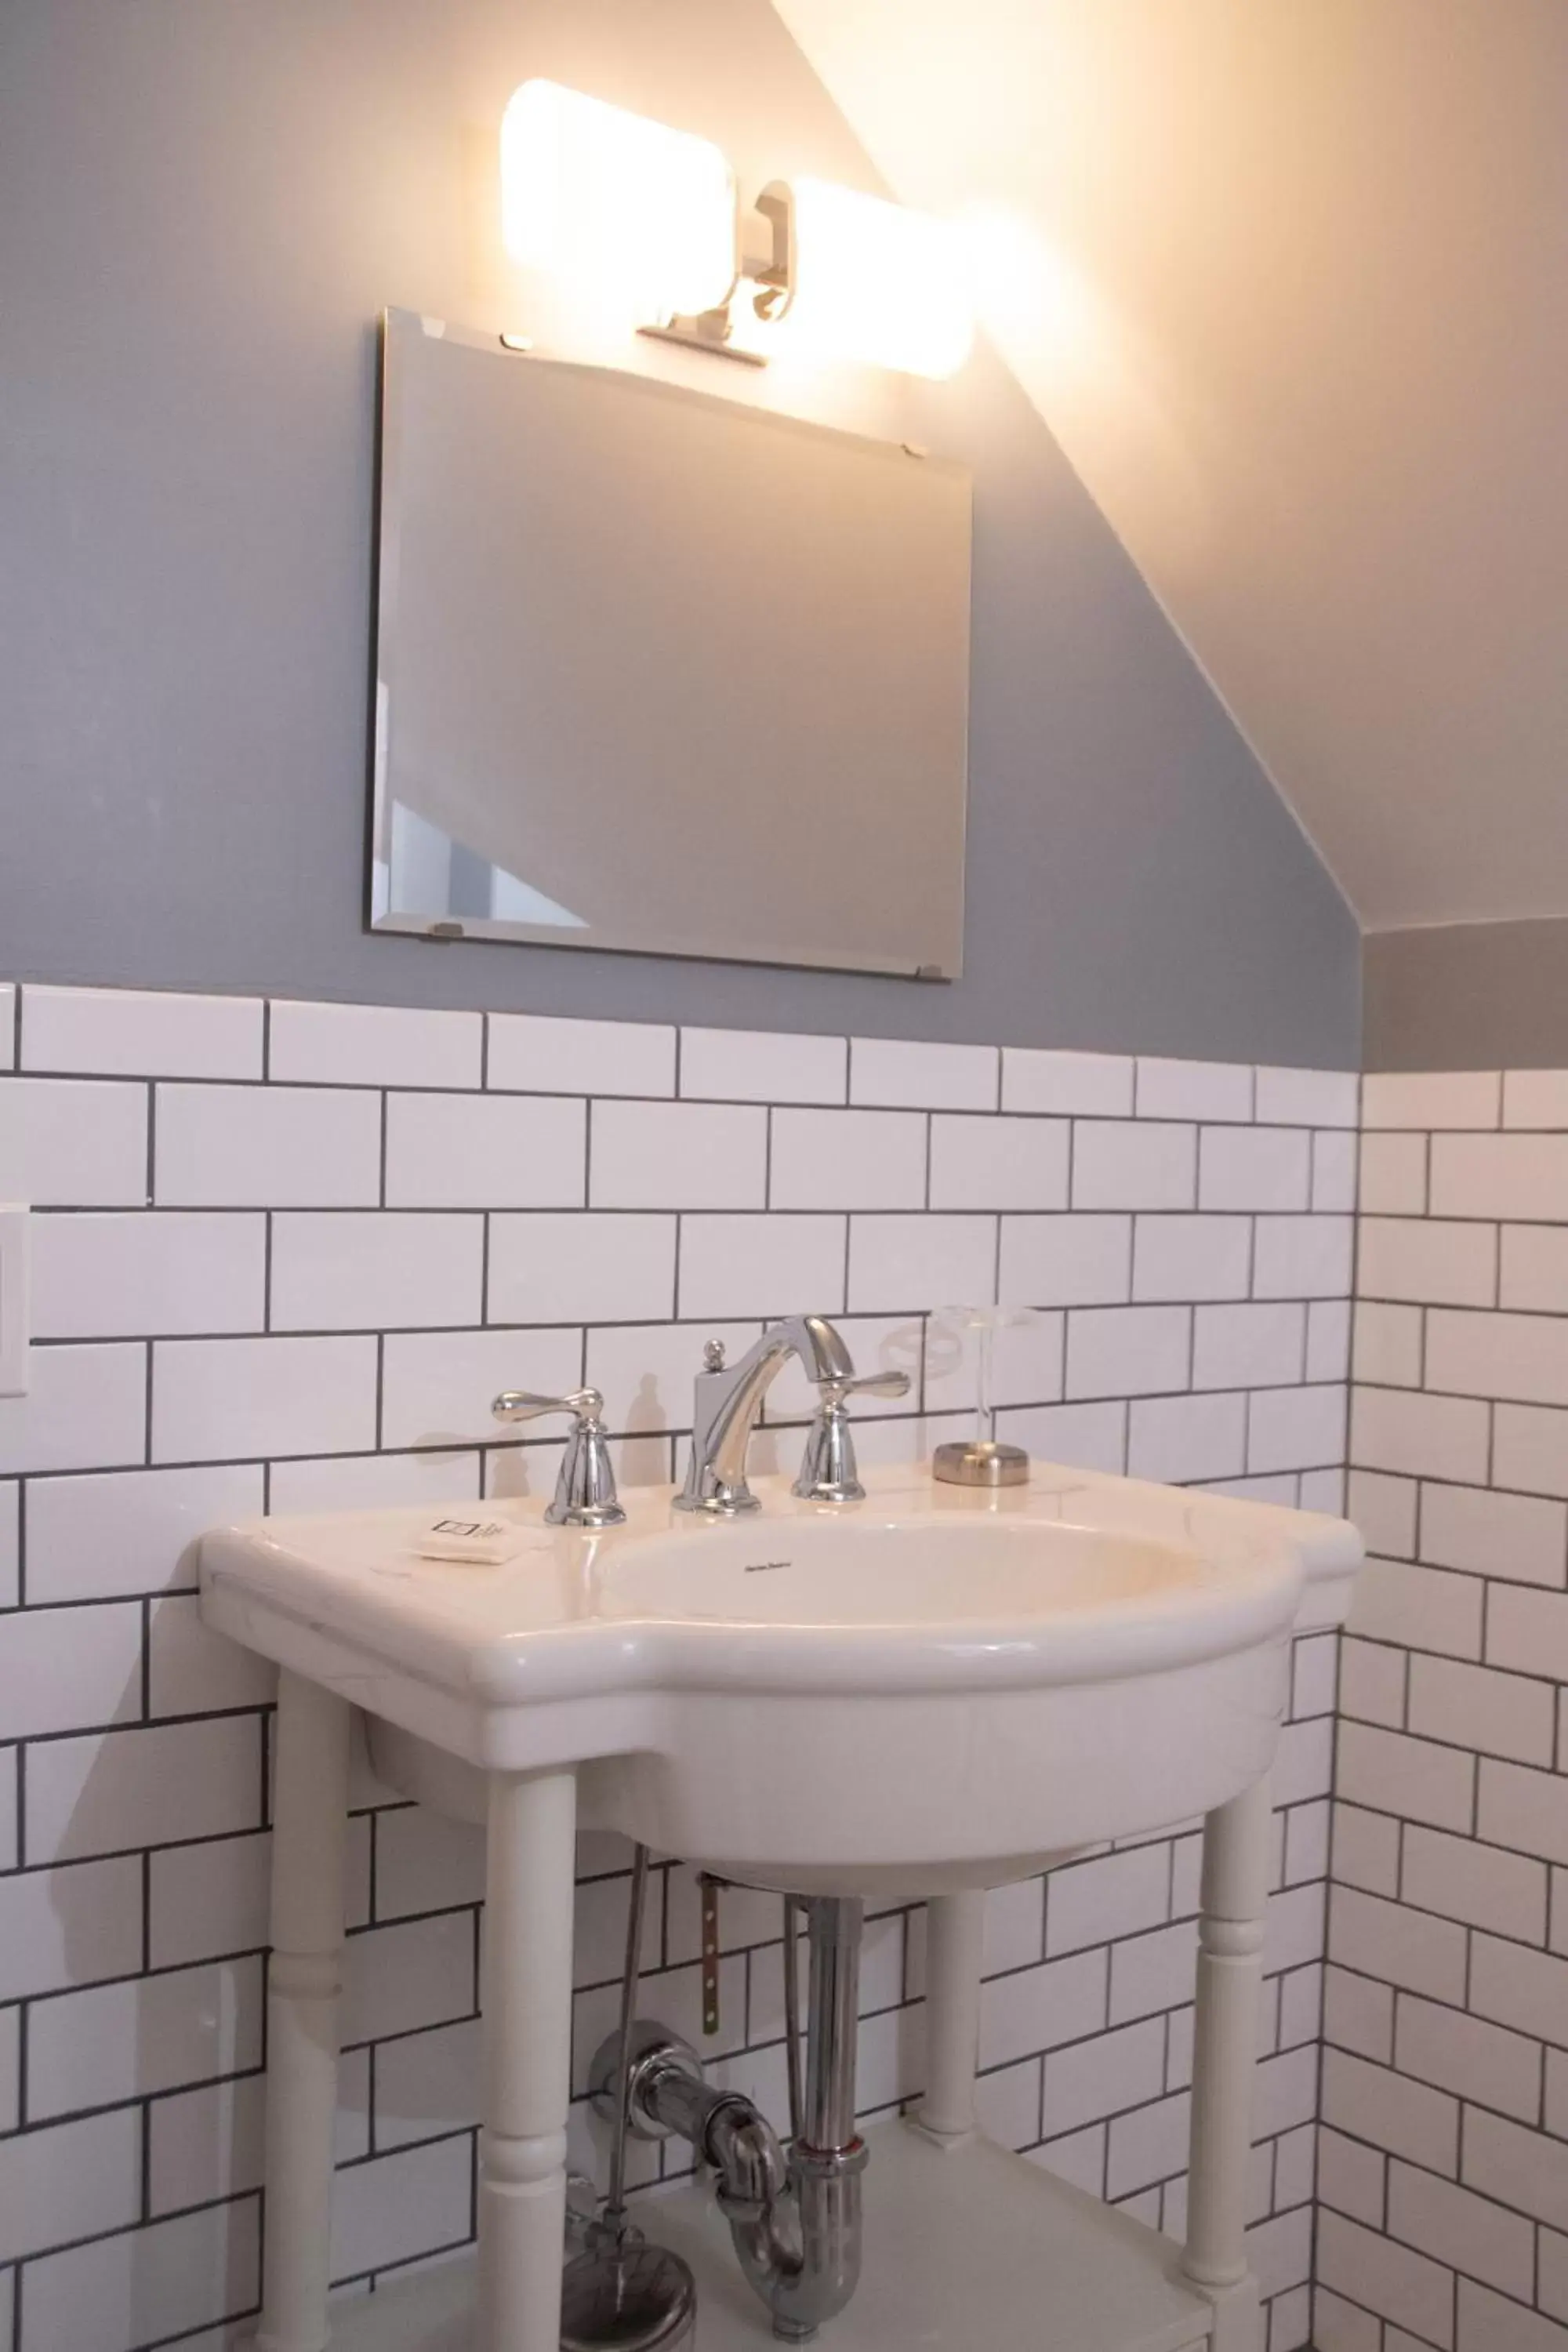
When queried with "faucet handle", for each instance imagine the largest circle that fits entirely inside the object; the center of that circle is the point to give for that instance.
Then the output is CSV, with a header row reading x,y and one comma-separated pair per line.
x,y
829,1472
523,1404
586,1489
883,1384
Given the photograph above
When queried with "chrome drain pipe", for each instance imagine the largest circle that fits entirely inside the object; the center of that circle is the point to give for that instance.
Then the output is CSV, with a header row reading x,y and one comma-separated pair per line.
x,y
807,2271
795,2222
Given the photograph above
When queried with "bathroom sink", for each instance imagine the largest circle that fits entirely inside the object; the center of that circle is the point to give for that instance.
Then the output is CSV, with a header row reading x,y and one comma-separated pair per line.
x,y
930,1689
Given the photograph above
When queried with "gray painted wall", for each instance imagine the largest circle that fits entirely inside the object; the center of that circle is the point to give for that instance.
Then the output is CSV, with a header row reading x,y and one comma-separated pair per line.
x,y
202,206
1468,996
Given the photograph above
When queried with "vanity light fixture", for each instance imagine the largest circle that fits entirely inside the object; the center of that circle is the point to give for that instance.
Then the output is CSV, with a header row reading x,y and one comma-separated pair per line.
x,y
643,213
649,216
869,280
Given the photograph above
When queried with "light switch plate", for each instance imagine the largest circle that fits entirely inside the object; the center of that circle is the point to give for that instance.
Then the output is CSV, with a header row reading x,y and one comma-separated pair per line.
x,y
15,1319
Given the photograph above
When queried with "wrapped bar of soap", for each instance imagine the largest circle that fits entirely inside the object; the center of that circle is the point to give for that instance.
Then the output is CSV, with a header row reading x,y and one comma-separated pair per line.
x,y
488,1541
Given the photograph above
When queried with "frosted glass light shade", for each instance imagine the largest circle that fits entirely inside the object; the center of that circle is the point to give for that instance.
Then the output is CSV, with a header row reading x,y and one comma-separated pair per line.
x,y
877,283
636,212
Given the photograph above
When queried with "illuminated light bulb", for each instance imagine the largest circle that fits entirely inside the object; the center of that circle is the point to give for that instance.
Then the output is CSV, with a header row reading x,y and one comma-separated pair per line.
x,y
876,283
635,212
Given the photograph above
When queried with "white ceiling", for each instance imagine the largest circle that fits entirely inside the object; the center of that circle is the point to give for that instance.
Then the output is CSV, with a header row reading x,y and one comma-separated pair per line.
x,y
1289,278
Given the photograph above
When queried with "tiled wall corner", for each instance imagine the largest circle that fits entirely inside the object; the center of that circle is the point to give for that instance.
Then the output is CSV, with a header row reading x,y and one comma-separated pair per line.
x,y
1444,2157
286,1252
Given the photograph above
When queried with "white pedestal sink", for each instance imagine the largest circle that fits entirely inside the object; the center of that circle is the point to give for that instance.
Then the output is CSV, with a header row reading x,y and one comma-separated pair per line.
x,y
927,1692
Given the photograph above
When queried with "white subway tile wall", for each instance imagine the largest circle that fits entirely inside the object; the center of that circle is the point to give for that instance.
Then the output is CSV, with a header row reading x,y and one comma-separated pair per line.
x,y
1444,2163
286,1255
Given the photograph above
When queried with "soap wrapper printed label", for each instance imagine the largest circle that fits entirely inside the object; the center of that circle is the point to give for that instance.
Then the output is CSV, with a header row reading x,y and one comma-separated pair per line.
x,y
485,1541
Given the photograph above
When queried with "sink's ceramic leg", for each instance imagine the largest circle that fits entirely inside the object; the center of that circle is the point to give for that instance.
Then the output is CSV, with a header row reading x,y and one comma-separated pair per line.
x,y
955,1928
304,1982
529,1895
1232,1908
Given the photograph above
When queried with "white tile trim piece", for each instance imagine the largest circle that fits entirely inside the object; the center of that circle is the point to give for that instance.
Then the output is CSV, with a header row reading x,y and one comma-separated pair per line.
x,y
151,2033
486,1151
267,1147
70,1669
68,2180
738,1267
1076,1260
140,1033
1535,1098
1006,1163
677,1155
604,1267
1200,1090
1079,1085
17,1317
763,1065
85,1408
1134,1164
1256,1168
106,1534
534,1053
437,1386
1457,1098
373,1045
109,1792
216,1400
914,1264
1393,1175
10,1564
848,1159
104,1275
377,1269
190,2271
893,1073
1307,1098
73,1143
1517,1175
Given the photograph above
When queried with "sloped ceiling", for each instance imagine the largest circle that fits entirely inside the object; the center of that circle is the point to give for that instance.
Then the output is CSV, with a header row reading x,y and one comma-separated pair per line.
x,y
1288,280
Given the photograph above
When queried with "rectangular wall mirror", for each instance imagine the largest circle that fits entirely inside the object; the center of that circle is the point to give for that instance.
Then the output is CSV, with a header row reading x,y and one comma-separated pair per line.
x,y
662,672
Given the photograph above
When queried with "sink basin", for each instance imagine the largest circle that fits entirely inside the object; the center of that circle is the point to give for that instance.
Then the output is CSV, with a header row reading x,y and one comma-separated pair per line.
x,y
928,1690
883,1574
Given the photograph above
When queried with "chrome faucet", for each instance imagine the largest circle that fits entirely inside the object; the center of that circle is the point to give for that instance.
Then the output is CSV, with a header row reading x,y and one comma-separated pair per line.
x,y
729,1398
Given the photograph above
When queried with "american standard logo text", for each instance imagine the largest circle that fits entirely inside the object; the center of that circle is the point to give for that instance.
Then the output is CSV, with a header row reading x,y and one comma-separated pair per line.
x,y
761,1567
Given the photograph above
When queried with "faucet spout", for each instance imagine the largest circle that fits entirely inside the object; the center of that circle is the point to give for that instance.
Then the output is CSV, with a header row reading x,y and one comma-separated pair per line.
x,y
729,1400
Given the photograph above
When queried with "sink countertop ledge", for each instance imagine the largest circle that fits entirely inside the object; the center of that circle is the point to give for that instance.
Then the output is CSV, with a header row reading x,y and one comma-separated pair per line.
x,y
1077,1576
